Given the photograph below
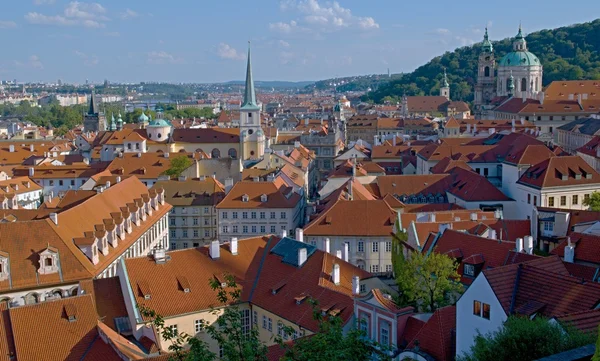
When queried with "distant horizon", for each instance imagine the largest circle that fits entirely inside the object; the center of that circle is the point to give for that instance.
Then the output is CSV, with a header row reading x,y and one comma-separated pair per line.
x,y
292,40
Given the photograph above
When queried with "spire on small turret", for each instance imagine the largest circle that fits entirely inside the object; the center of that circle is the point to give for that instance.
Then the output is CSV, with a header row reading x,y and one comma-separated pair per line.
x,y
445,84
510,84
113,124
119,122
486,45
249,94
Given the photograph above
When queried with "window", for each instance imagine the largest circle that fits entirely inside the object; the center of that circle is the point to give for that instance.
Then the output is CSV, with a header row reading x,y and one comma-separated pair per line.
x,y
234,229
173,234
225,229
173,245
255,318
535,200
245,321
224,215
486,311
174,329
549,226
185,233
273,229
563,200
198,326
264,322
385,334
253,215
172,220
196,221
362,288
486,172
244,215
263,229
206,221
51,182
60,182
575,199
374,268
253,229
263,215
361,246
388,246
486,71
196,233
375,247
478,170
234,215
244,229
280,332
550,201
270,324
388,268
528,198
272,216
523,84
207,233
185,245
586,198
205,210
283,215
477,308
469,270
73,182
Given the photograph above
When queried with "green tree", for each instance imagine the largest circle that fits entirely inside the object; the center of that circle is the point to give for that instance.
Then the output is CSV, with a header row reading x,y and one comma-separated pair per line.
x,y
593,202
428,281
522,339
178,165
597,353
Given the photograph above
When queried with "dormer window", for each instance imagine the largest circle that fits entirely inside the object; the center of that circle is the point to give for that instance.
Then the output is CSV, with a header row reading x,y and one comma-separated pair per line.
x,y
245,198
469,270
4,271
263,198
48,261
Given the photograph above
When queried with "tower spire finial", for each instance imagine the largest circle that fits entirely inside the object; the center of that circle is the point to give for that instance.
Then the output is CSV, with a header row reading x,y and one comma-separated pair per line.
x,y
249,94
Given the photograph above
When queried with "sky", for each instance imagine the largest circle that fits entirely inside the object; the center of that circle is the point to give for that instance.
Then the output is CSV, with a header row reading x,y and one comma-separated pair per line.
x,y
206,41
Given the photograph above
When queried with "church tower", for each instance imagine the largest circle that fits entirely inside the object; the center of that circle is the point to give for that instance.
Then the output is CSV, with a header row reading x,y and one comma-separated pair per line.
x,y
445,88
485,89
252,137
94,120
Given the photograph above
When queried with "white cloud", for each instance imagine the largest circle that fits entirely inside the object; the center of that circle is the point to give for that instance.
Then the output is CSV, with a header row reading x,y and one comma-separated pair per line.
x,y
43,2
33,62
162,57
225,51
88,60
6,24
89,15
441,31
129,14
283,44
326,17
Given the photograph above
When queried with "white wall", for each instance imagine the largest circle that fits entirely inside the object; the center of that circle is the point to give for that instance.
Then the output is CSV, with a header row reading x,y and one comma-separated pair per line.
x,y
467,324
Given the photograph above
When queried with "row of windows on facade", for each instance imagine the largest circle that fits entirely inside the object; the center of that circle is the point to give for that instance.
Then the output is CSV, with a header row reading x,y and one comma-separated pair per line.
x,y
195,233
62,182
384,329
253,215
534,85
195,221
251,229
360,246
194,210
375,268
563,200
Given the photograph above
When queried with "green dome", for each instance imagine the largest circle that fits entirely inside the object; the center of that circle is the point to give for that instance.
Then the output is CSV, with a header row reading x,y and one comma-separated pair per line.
x,y
337,107
143,118
159,123
519,58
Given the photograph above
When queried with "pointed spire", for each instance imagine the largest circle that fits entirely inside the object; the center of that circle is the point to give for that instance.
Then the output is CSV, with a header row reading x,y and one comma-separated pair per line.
x,y
445,84
485,36
520,33
249,94
113,124
93,106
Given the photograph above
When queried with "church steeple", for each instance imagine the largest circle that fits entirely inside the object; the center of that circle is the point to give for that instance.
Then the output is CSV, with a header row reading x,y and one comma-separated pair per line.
x,y
249,94
445,87
486,46
93,106
113,124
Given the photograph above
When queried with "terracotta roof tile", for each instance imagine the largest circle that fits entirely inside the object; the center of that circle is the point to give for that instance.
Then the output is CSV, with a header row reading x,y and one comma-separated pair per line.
x,y
560,172
587,247
585,321
436,336
275,191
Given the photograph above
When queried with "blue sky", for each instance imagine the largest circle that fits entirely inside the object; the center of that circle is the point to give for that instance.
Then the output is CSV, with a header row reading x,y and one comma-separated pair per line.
x,y
206,41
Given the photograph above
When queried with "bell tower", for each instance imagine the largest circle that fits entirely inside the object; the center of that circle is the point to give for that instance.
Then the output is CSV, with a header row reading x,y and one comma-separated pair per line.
x,y
251,133
485,89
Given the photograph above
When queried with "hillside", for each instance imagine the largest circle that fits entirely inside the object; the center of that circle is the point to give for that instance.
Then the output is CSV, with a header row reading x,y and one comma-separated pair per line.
x,y
567,53
353,83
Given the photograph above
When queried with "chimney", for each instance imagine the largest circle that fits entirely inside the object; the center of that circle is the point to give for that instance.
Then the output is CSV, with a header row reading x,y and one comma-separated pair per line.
x,y
11,148
107,184
569,251
326,245
524,96
233,246
598,151
519,245
299,235
118,179
214,176
31,170
182,178
302,256
394,140
336,274
31,148
492,234
338,253
306,121
54,218
160,256
498,214
283,233
166,154
473,216
468,128
296,144
474,128
355,285
512,122
50,195
346,252
542,96
228,184
579,99
432,217
492,131
528,244
214,249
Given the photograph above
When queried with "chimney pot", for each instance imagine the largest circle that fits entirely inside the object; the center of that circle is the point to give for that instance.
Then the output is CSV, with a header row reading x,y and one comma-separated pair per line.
x,y
519,245
234,246
283,233
355,285
302,256
336,274
326,245
299,234
338,253
214,249
346,252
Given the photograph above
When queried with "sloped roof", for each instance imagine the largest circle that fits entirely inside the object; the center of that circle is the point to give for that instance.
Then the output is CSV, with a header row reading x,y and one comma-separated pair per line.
x,y
275,191
587,247
551,172
435,337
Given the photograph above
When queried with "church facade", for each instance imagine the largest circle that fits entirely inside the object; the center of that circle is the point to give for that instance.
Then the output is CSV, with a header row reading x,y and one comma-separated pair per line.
x,y
517,74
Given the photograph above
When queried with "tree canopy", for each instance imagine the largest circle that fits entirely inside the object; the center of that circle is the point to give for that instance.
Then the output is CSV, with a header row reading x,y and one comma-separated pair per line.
x,y
427,281
567,53
522,339
178,165
593,202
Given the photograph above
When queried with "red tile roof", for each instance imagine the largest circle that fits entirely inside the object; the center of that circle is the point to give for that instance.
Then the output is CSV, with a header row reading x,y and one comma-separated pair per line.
x,y
436,336
585,321
560,172
587,247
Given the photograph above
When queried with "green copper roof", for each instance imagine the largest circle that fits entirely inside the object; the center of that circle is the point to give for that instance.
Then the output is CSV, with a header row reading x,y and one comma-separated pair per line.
x,y
143,118
249,94
159,123
519,58
445,82
486,46
520,33
113,125
119,119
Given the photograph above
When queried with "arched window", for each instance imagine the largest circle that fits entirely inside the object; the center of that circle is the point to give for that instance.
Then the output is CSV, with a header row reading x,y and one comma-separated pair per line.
x,y
486,71
232,153
57,294
523,85
215,153
31,298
